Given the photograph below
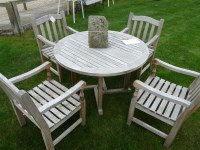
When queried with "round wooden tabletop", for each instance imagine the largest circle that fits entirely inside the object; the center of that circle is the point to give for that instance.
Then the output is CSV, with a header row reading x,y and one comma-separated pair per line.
x,y
74,54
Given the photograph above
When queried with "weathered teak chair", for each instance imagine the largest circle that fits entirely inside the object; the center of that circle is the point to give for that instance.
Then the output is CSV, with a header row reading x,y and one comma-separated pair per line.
x,y
47,105
147,29
113,1
73,8
47,33
166,101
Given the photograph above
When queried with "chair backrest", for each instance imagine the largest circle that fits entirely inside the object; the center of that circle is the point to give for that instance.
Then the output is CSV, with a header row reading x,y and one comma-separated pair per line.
x,y
52,31
194,97
194,90
22,101
90,2
143,27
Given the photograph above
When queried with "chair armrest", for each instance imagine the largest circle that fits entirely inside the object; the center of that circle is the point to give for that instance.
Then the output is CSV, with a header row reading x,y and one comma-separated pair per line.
x,y
152,40
31,73
71,29
176,69
125,30
140,85
47,42
46,107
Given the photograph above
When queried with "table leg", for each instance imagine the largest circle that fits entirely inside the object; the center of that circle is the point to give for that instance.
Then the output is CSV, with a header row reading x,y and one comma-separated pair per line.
x,y
139,73
100,95
73,10
127,78
73,78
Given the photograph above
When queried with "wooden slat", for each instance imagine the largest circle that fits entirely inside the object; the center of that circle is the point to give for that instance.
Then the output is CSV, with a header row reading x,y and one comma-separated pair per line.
x,y
134,28
146,19
194,93
102,56
55,31
145,32
55,89
42,30
48,91
88,55
43,101
68,105
170,106
148,81
157,100
151,32
178,107
152,97
49,31
164,102
47,17
148,127
60,28
140,29
63,88
146,94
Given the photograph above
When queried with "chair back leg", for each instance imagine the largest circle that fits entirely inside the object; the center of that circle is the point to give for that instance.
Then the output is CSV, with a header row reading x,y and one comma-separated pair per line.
x,y
132,107
48,140
173,132
19,114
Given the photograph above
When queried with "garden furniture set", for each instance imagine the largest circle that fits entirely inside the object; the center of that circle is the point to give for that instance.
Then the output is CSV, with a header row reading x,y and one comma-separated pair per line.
x,y
50,104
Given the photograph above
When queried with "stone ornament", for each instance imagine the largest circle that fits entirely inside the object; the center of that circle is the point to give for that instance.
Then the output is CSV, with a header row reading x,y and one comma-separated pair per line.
x,y
97,32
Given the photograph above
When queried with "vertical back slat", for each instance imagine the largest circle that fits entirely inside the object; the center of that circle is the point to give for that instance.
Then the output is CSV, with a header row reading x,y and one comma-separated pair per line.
x,y
151,32
129,22
49,31
140,29
55,31
194,84
42,30
60,28
194,92
145,32
134,27
64,22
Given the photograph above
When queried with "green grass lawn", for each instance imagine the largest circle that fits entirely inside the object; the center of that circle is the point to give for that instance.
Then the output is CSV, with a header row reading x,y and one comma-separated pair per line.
x,y
179,44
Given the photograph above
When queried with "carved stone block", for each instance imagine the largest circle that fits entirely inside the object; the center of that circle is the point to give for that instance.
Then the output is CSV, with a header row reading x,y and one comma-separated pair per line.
x,y
97,32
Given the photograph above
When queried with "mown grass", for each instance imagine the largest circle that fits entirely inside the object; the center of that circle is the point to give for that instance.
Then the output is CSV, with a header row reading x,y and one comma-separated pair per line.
x,y
179,44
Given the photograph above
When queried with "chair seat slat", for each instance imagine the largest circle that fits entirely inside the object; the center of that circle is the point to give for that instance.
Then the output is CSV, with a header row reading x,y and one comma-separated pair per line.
x,y
178,107
146,94
157,100
152,97
165,102
60,86
170,106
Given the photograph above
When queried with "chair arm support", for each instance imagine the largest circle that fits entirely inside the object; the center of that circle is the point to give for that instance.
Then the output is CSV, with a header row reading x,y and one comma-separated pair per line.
x,y
31,73
125,30
71,29
140,85
47,42
46,107
152,40
176,69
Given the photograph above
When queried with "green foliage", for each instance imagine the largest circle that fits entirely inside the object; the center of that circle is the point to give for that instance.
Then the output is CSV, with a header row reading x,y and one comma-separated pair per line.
x,y
179,45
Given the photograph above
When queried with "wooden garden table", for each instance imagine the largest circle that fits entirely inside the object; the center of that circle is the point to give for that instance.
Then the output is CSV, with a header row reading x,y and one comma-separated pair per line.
x,y
74,54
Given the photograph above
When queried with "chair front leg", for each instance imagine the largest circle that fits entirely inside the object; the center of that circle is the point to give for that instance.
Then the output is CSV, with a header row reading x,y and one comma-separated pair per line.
x,y
83,108
173,132
46,134
19,114
127,78
73,78
59,69
132,107
138,73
